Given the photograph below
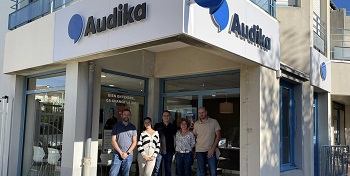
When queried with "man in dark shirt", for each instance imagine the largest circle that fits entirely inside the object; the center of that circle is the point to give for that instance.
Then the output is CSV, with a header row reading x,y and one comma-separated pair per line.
x,y
124,139
166,132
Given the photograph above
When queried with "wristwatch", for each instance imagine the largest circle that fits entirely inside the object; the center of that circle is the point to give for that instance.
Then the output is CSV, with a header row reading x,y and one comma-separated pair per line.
x,y
128,153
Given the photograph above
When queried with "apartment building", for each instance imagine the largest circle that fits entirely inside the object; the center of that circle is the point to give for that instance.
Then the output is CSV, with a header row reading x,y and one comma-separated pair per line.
x,y
305,59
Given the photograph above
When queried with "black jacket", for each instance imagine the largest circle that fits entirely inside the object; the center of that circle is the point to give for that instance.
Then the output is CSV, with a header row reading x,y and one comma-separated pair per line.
x,y
166,134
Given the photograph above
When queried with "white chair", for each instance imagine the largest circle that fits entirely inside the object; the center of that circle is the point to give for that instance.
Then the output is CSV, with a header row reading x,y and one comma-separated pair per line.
x,y
53,158
38,157
106,160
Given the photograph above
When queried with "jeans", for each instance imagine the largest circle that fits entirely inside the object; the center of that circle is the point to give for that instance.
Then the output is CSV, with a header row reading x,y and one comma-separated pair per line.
x,y
202,160
167,160
184,163
125,165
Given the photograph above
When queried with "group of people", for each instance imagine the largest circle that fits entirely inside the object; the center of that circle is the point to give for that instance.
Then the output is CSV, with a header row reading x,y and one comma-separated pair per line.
x,y
156,146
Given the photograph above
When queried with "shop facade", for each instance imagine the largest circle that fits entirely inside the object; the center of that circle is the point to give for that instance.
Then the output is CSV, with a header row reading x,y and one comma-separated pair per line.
x,y
82,63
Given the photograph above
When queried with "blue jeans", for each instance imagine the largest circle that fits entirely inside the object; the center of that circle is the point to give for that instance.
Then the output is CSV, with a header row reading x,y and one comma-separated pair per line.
x,y
167,160
125,165
184,162
202,160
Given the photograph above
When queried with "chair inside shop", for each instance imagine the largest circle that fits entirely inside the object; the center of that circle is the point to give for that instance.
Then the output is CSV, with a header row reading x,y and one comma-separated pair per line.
x,y
38,158
106,161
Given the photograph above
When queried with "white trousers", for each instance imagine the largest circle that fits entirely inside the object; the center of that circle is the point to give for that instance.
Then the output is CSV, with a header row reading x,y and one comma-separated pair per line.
x,y
146,167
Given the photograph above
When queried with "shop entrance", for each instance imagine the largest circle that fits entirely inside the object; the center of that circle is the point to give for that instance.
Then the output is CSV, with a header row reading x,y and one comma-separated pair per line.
x,y
118,91
219,94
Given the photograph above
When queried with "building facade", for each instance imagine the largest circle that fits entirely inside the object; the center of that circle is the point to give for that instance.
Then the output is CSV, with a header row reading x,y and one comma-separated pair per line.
x,y
266,78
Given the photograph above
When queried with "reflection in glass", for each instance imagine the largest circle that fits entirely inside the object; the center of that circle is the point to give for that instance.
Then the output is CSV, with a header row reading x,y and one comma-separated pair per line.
x,y
214,82
43,132
122,82
182,107
285,125
57,80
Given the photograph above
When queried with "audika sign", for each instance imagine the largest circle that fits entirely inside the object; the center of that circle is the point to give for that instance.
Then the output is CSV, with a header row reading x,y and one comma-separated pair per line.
x,y
122,15
219,11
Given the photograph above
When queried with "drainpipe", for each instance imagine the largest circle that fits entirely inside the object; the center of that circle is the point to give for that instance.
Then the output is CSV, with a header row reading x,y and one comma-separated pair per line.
x,y
87,147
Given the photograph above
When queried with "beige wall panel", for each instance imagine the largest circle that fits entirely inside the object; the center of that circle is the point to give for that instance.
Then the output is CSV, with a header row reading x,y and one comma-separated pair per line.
x,y
139,63
340,75
190,60
30,45
295,36
269,122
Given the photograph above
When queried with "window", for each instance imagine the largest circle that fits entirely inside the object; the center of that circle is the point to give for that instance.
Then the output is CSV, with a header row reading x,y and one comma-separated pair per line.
x,y
43,128
267,5
286,3
287,126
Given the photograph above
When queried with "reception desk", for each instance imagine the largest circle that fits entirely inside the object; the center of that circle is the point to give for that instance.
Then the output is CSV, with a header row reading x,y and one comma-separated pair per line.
x,y
232,153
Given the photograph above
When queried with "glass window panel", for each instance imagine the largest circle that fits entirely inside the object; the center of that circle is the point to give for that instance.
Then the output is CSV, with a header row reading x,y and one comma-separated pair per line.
x,y
122,82
47,82
214,82
43,131
285,125
182,107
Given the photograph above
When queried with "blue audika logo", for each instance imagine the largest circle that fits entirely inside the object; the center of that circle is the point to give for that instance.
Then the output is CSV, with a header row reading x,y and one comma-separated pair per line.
x,y
323,71
218,9
75,27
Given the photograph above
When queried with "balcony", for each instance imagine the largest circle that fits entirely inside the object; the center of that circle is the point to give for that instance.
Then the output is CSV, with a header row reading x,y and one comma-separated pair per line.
x,y
268,6
34,10
320,35
340,44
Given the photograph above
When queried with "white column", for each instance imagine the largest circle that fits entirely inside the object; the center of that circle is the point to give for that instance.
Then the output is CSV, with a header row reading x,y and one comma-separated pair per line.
x,y
17,120
307,130
259,128
153,99
75,114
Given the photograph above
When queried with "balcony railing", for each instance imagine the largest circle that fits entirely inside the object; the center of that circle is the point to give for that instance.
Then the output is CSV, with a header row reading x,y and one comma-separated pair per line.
x,y
340,44
320,34
268,6
33,11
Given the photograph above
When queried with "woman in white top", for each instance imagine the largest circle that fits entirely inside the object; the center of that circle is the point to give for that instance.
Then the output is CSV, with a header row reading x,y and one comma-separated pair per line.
x,y
148,147
185,142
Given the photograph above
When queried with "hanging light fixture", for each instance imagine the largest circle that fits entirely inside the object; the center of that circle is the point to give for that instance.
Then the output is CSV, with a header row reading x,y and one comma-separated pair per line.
x,y
226,107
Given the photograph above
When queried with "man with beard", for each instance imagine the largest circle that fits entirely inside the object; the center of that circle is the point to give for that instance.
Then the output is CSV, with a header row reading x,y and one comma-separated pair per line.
x,y
124,139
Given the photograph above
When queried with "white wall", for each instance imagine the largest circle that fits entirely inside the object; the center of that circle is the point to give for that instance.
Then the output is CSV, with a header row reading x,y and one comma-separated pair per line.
x,y
7,87
34,40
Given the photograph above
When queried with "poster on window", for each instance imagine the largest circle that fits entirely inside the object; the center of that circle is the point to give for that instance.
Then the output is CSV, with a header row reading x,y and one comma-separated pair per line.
x,y
110,117
107,145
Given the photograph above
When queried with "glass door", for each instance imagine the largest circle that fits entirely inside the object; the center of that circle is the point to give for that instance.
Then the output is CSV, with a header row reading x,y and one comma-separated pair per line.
x,y
338,124
118,92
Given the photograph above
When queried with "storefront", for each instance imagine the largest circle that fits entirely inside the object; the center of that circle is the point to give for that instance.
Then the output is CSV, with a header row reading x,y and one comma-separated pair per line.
x,y
147,57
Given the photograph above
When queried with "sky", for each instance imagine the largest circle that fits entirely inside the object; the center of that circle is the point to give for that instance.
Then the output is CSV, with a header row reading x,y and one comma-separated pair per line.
x,y
342,4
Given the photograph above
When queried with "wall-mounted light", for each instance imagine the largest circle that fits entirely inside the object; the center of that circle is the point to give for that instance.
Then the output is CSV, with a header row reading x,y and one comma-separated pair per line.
x,y
226,107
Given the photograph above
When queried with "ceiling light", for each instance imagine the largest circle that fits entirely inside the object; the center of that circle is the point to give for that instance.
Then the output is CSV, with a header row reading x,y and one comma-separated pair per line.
x,y
213,95
226,107
103,76
111,85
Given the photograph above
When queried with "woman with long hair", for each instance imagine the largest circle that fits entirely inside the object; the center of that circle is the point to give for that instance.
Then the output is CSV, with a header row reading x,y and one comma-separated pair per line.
x,y
148,147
